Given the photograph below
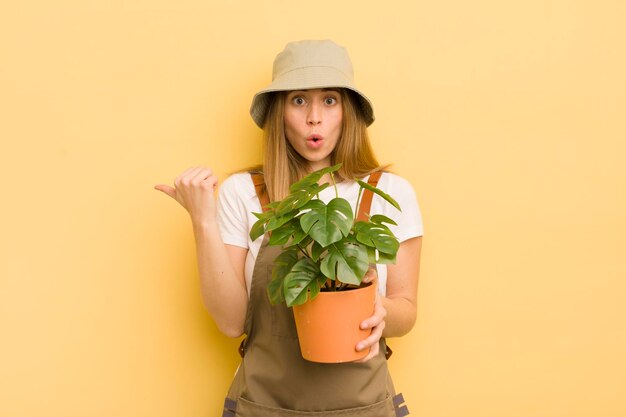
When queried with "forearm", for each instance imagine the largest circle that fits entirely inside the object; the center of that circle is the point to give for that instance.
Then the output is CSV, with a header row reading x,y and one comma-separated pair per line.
x,y
223,288
400,318
401,299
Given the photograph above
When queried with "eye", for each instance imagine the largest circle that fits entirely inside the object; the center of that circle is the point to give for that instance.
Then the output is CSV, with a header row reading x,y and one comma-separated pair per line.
x,y
330,100
298,100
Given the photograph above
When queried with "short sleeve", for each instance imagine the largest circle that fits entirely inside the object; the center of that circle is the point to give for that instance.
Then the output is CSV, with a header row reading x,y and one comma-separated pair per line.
x,y
232,212
409,220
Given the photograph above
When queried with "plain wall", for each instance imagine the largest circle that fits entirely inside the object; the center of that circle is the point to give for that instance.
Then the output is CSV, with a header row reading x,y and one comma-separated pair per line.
x,y
507,117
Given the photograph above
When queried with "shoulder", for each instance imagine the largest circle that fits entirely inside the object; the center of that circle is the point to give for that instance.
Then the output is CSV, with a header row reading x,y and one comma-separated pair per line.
x,y
237,190
239,183
409,219
394,183
401,190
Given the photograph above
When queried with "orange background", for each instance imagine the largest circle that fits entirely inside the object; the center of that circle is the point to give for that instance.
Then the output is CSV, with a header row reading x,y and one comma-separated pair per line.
x,y
507,117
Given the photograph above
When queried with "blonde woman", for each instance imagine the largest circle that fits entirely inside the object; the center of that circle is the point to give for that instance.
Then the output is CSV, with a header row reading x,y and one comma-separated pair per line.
x,y
313,116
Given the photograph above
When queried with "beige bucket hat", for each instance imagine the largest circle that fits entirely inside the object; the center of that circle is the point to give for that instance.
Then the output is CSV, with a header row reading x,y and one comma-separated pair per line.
x,y
305,65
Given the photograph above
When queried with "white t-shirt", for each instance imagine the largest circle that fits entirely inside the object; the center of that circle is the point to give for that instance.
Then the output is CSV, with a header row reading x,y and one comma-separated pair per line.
x,y
238,200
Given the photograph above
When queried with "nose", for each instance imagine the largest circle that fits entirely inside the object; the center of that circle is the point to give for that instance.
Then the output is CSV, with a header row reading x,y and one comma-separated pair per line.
x,y
314,117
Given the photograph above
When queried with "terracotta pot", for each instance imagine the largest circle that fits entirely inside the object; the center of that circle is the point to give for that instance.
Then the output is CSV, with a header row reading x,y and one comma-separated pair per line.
x,y
329,326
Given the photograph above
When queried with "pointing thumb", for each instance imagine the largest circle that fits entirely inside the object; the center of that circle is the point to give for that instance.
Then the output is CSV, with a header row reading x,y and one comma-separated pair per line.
x,y
167,190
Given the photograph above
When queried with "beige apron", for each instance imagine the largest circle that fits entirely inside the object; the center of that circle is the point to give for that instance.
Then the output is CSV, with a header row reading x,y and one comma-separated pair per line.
x,y
274,381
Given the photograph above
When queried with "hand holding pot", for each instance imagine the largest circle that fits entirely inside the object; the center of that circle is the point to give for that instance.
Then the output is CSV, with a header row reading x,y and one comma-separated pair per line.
x,y
376,322
194,189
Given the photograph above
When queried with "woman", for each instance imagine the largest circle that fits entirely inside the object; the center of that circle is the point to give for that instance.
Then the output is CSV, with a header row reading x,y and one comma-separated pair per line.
x,y
313,117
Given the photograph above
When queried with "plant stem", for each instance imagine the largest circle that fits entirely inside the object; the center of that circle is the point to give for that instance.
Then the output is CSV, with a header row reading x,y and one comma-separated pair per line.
x,y
303,251
332,178
358,201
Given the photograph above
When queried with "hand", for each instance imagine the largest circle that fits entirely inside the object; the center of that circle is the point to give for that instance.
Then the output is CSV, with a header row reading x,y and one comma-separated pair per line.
x,y
194,190
376,322
371,275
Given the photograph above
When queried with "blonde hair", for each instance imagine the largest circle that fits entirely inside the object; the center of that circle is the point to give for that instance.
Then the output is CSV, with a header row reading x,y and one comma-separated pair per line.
x,y
282,165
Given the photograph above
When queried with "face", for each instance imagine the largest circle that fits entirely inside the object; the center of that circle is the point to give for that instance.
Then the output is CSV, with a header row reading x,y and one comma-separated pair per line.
x,y
313,124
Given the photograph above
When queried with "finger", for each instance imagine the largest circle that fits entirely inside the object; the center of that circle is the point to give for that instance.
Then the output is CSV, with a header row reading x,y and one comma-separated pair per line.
x,y
167,190
210,183
372,339
374,350
184,179
206,180
197,178
371,275
377,317
201,175
183,174
371,322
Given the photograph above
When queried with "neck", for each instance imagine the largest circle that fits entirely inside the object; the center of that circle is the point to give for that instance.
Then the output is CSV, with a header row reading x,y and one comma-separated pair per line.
x,y
317,165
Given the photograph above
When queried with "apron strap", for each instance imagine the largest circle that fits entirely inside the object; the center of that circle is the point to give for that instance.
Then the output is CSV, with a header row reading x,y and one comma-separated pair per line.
x,y
366,198
261,190
388,351
399,407
230,408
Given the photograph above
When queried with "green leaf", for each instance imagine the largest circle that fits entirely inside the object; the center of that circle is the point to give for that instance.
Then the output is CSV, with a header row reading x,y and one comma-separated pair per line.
x,y
277,221
313,178
299,237
376,257
381,193
346,262
304,277
380,219
289,234
385,258
371,254
283,264
259,216
327,223
257,230
302,245
316,251
282,234
265,214
275,291
304,290
297,199
377,235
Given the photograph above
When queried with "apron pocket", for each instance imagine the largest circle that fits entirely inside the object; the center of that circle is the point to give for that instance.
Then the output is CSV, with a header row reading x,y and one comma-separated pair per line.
x,y
385,408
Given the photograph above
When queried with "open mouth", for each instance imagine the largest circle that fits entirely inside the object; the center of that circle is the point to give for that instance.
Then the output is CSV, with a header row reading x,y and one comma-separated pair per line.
x,y
314,142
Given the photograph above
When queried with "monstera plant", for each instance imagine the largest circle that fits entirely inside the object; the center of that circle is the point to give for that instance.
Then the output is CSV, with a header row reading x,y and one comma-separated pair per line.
x,y
324,248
